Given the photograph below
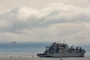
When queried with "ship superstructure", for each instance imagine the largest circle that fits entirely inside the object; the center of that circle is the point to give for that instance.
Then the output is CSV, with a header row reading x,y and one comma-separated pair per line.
x,y
62,50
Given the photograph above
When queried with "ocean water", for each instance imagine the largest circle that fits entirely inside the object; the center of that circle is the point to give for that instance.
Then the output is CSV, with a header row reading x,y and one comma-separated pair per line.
x,y
22,47
34,57
28,51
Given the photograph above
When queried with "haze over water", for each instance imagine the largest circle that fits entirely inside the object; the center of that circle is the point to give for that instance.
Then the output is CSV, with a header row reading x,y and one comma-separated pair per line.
x,y
28,51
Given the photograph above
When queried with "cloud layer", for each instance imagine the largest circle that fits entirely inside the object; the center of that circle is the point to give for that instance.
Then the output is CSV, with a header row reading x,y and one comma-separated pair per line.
x,y
57,21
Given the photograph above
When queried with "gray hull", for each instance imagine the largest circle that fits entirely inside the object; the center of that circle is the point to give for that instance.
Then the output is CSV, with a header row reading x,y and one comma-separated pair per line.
x,y
62,50
61,55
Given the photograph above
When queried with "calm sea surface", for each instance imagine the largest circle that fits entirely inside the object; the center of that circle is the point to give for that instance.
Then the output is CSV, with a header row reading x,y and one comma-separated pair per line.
x,y
22,47
29,56
28,51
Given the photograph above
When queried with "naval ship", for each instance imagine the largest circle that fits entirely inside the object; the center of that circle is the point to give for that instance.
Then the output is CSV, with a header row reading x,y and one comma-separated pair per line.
x,y
62,50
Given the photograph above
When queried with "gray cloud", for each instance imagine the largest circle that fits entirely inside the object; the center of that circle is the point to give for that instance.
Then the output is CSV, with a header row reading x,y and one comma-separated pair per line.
x,y
49,24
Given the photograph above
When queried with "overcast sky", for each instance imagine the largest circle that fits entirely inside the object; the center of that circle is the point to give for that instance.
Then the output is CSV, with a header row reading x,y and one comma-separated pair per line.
x,y
45,21
39,4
